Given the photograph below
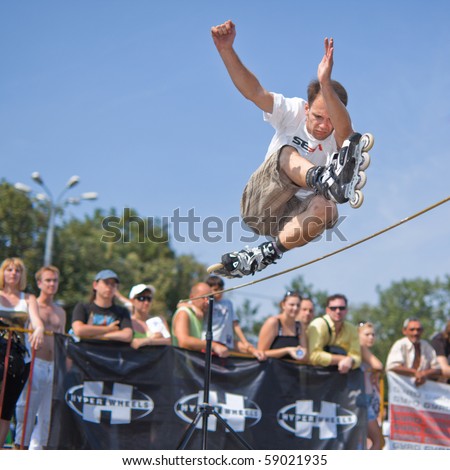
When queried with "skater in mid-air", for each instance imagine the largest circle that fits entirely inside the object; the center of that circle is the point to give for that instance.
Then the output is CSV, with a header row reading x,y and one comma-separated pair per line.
x,y
314,161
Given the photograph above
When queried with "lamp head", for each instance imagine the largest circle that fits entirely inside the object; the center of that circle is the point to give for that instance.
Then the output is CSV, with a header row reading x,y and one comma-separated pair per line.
x,y
36,176
73,200
74,180
90,196
23,188
41,197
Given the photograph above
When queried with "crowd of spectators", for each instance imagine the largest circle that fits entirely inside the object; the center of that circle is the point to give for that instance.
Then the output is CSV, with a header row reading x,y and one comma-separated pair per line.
x,y
295,333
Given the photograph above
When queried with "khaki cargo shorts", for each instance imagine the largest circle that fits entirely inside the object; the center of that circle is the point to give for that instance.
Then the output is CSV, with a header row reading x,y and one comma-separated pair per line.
x,y
269,200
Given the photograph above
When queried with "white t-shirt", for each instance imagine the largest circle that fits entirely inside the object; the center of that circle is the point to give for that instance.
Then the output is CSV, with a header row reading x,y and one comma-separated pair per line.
x,y
402,354
288,118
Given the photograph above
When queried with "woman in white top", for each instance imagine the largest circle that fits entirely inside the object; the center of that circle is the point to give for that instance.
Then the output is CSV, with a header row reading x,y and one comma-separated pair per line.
x,y
17,309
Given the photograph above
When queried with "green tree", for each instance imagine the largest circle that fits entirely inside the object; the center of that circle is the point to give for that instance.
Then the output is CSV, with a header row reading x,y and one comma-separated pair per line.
x,y
422,298
247,313
22,228
138,254
137,248
298,284
17,222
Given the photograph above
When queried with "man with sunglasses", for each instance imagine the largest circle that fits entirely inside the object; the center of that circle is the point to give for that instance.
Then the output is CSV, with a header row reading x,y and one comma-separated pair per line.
x,y
147,330
332,340
413,356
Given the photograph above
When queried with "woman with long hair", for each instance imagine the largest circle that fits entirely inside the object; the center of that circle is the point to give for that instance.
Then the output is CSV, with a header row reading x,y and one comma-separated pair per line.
x,y
372,368
17,309
282,336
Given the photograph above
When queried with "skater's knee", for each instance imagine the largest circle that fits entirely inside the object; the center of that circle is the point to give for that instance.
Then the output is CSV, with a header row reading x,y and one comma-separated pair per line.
x,y
324,210
332,215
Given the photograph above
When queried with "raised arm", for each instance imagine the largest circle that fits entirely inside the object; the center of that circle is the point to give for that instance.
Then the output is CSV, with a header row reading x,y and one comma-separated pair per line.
x,y
339,117
245,81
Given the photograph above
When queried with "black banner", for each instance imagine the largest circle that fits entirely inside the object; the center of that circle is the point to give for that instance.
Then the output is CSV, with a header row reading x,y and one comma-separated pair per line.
x,y
109,396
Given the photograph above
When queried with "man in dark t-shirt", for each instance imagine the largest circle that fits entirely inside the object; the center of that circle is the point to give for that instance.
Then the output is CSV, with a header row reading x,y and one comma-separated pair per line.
x,y
101,318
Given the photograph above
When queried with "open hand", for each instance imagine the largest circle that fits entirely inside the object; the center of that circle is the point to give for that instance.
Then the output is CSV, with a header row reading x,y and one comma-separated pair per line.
x,y
326,64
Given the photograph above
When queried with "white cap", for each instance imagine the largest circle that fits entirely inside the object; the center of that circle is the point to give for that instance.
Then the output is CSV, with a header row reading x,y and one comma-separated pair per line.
x,y
139,288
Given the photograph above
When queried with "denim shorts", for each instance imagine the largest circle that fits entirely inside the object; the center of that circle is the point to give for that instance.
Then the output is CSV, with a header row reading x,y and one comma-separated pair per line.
x,y
372,402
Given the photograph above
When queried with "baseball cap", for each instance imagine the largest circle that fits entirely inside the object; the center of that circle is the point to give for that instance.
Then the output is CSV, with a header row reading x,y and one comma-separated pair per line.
x,y
139,288
106,274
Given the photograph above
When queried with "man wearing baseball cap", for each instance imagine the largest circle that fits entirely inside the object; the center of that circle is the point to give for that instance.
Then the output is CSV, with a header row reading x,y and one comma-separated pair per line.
x,y
140,289
101,318
147,330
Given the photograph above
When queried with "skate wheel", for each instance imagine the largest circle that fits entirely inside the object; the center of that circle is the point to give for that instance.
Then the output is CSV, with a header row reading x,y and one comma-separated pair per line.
x,y
214,267
357,200
366,161
367,141
362,180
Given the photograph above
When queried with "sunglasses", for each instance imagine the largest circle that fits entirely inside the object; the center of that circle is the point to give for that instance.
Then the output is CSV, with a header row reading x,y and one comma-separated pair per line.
x,y
143,298
337,308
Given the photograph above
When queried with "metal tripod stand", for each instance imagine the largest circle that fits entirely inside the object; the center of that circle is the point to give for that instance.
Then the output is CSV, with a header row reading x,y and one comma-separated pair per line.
x,y
205,409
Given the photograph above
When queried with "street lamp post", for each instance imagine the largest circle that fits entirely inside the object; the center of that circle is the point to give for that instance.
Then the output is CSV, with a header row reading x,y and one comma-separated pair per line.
x,y
54,206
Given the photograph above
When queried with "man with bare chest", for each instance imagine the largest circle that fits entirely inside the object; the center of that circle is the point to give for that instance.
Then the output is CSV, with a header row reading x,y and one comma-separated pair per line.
x,y
54,320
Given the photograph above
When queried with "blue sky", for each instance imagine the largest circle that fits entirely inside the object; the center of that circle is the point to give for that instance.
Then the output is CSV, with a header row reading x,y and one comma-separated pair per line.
x,y
132,97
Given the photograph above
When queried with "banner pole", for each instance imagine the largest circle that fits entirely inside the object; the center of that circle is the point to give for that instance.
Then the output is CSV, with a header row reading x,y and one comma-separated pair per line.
x,y
207,378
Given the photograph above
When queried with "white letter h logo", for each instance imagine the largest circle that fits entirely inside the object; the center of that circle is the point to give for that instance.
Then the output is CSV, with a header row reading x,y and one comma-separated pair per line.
x,y
113,404
307,419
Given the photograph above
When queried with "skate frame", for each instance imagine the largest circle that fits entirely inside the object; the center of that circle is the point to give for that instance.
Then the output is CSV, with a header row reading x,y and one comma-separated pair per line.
x,y
205,409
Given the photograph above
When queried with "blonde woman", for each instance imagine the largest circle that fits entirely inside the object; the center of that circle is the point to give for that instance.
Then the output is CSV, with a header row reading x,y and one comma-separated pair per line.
x,y
17,309
282,336
372,368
